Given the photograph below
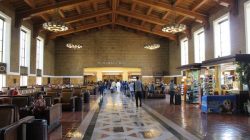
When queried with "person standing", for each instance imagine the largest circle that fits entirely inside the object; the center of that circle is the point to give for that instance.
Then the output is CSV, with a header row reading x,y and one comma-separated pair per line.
x,y
118,86
171,91
138,88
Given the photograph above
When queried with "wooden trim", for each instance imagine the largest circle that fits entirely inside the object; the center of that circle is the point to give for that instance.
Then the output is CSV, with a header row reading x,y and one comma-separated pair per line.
x,y
138,27
178,10
79,29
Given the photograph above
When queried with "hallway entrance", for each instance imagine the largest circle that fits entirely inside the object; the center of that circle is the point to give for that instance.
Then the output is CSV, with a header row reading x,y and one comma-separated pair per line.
x,y
111,73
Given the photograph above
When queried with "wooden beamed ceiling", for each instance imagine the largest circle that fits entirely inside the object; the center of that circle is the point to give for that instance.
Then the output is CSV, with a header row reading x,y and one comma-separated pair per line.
x,y
147,16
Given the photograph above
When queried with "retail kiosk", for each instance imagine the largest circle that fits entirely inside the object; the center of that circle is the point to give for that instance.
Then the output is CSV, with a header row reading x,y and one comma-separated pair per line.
x,y
190,87
221,85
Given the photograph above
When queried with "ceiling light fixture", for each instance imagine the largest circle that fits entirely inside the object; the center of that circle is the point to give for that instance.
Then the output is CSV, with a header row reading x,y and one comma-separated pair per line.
x,y
74,46
174,27
55,25
152,46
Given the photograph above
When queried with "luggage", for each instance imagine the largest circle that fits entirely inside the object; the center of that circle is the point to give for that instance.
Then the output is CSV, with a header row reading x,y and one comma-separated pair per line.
x,y
177,99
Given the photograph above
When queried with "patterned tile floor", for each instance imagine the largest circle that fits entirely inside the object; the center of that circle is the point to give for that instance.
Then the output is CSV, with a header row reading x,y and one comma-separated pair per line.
x,y
119,119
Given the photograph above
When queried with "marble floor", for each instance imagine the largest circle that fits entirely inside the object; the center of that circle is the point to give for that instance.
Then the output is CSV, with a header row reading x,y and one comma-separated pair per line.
x,y
115,117
120,119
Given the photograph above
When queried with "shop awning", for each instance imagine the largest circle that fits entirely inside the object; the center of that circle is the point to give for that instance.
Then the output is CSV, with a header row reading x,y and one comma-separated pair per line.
x,y
190,66
227,59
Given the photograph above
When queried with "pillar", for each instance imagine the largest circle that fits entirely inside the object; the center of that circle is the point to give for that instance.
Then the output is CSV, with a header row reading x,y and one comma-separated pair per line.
x,y
125,76
99,76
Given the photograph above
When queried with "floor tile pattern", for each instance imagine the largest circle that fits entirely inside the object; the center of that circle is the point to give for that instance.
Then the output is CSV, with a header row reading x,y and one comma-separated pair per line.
x,y
119,119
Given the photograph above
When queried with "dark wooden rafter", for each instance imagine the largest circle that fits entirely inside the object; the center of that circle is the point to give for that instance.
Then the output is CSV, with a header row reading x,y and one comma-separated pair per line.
x,y
114,7
47,8
80,28
45,17
86,16
78,9
178,2
61,13
30,3
94,4
148,13
132,9
196,7
181,11
143,17
140,28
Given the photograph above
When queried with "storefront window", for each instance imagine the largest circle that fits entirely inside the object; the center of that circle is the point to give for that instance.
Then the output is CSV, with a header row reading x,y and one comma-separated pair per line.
x,y
222,42
247,23
199,45
184,51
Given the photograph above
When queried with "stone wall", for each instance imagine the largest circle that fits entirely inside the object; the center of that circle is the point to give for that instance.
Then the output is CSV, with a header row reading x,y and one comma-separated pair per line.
x,y
110,48
15,47
238,39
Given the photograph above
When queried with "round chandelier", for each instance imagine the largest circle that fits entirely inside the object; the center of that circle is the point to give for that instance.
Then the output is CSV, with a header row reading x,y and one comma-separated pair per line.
x,y
55,26
152,46
74,46
174,28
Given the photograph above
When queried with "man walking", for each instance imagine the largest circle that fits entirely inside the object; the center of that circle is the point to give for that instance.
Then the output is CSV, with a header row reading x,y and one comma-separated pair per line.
x,y
138,91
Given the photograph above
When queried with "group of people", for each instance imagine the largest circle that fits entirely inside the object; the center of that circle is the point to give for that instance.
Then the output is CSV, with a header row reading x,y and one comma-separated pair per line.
x,y
135,89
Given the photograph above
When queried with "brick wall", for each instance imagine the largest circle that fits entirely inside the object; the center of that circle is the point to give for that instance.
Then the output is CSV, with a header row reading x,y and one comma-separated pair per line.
x,y
111,48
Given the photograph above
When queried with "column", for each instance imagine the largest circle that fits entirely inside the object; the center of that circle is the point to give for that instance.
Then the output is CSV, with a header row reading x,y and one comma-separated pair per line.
x,y
125,76
99,76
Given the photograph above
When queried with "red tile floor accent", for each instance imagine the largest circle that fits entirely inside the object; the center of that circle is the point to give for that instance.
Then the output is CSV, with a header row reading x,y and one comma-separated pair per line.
x,y
71,120
205,126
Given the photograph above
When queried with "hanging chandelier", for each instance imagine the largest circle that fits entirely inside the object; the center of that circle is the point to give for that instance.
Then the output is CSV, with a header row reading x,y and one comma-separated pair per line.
x,y
152,46
74,46
174,27
55,26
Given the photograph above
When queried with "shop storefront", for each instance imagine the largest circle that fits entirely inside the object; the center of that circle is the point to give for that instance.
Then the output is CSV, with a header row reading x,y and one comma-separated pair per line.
x,y
221,85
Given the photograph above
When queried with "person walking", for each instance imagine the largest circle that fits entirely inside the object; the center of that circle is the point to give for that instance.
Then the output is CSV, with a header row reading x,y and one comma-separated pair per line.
x,y
171,91
131,89
138,88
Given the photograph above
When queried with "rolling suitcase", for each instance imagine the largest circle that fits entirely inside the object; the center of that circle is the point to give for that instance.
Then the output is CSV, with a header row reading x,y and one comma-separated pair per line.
x,y
177,99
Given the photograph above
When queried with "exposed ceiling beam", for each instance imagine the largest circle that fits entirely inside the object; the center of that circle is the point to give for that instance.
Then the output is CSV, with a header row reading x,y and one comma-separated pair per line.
x,y
78,9
30,3
148,13
140,28
95,9
177,2
178,10
114,7
146,18
80,28
60,11
45,17
166,15
132,9
86,16
196,7
49,7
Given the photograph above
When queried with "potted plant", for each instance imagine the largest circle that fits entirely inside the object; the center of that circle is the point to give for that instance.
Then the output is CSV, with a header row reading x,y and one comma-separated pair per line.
x,y
243,70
